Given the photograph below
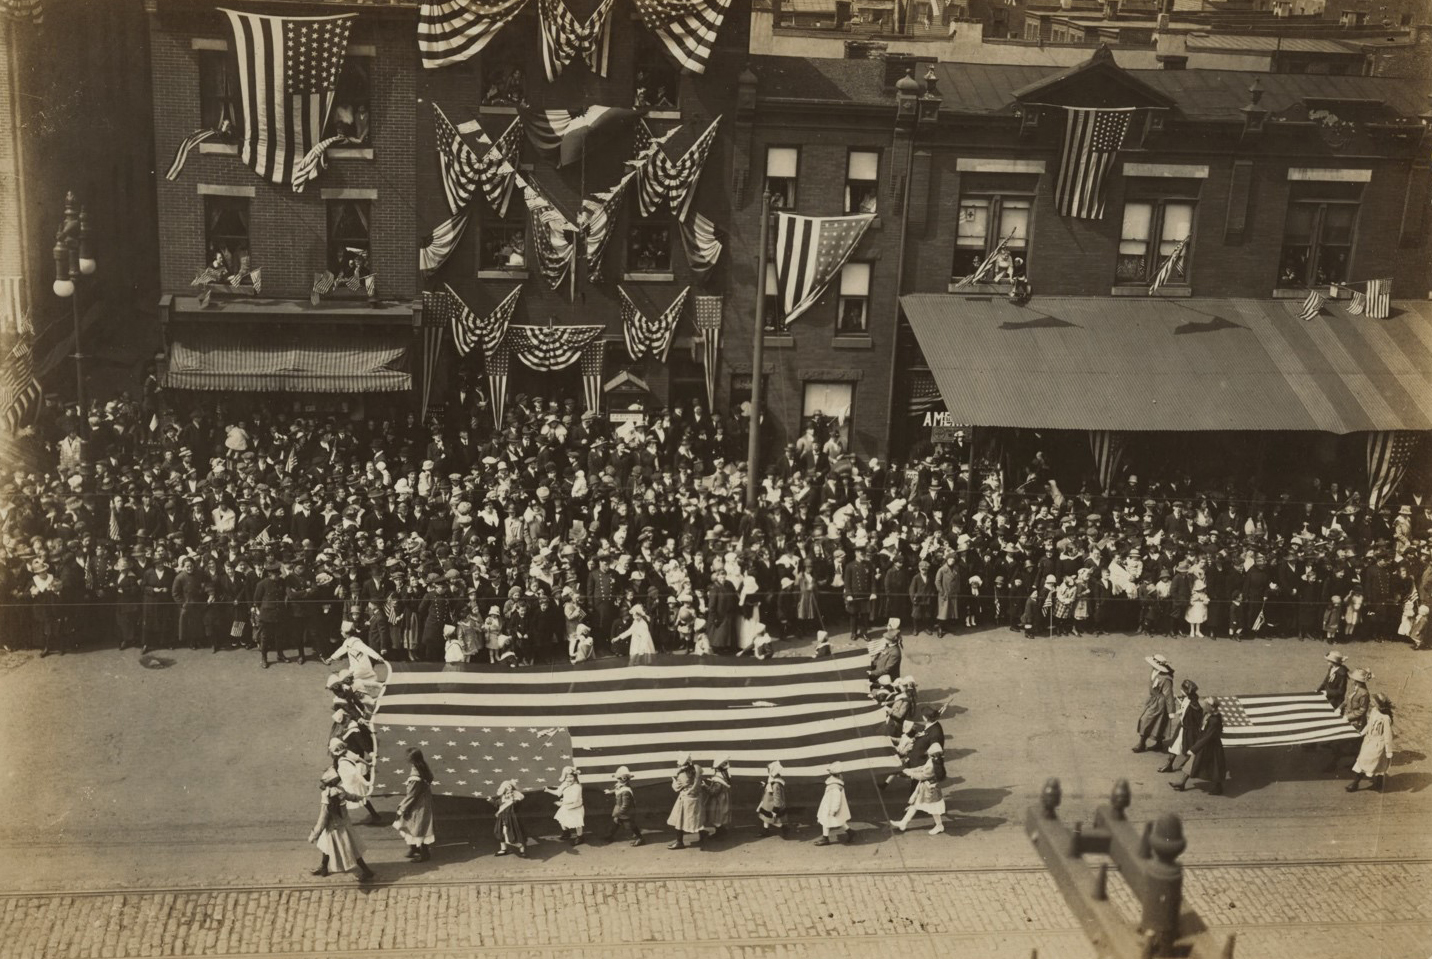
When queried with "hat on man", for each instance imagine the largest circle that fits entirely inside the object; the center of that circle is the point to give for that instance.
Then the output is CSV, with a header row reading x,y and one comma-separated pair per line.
x,y
1335,656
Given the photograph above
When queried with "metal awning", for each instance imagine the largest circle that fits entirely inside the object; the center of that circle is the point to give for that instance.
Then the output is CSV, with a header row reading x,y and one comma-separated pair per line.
x,y
300,361
1175,364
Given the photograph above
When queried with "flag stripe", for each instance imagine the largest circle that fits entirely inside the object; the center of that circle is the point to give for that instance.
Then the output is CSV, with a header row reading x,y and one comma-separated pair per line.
x,y
1092,138
1281,719
454,30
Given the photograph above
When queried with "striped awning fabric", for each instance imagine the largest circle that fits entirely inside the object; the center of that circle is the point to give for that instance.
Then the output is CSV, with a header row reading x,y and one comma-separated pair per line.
x,y
300,361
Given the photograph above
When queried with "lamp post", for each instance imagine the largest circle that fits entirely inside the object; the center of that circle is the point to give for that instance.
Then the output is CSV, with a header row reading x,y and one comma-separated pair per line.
x,y
74,258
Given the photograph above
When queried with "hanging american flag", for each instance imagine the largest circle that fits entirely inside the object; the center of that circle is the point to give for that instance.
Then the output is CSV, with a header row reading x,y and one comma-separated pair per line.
x,y
688,28
469,329
1172,266
254,276
645,336
1092,138
187,146
987,265
810,250
1281,720
598,215
18,389
323,284
807,714
571,134
288,67
209,274
698,238
497,363
497,167
649,156
1312,306
548,348
1376,303
460,164
314,160
564,38
1108,449
592,356
440,308
1388,452
439,246
451,31
707,320
553,234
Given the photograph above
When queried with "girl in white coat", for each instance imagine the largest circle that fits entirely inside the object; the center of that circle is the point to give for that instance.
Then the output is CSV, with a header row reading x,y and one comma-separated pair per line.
x,y
1375,756
833,812
571,812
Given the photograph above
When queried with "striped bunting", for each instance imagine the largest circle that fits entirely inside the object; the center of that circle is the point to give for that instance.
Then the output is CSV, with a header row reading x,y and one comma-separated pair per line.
x,y
1108,447
646,336
18,387
23,11
460,164
807,714
1388,453
571,133
469,329
548,348
498,363
598,215
698,238
707,320
1092,138
1281,720
187,146
222,359
649,158
810,250
439,246
688,28
553,234
497,167
564,38
452,31
663,181
1312,306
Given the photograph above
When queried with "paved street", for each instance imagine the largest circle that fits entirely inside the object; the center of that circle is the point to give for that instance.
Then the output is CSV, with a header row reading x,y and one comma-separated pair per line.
x,y
1286,858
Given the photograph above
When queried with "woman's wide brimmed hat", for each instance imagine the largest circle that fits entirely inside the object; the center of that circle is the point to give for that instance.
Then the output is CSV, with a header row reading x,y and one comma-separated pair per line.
x,y
1160,662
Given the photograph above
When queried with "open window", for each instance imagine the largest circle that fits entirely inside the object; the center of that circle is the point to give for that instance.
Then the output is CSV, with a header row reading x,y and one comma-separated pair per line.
x,y
862,176
351,114
782,164
219,95
350,241
502,247
1318,234
226,233
504,84
1151,231
658,79
853,306
987,221
649,245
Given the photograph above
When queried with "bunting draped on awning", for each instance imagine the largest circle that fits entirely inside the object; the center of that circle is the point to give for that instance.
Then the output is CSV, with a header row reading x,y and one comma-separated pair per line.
x,y
548,348
698,238
688,28
571,133
599,213
662,181
564,38
469,329
553,234
646,336
451,31
298,360
1108,448
708,324
439,246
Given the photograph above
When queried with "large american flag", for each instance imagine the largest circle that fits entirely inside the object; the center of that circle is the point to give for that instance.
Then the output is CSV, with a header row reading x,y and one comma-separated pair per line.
x,y
1092,138
1376,303
451,31
1281,720
460,164
688,28
288,67
809,251
564,38
18,387
1388,452
707,320
805,713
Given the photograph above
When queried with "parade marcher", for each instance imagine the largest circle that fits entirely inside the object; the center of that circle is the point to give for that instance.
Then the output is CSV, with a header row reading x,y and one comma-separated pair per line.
x,y
361,656
623,807
833,811
716,799
415,812
1156,720
1334,684
340,849
642,648
772,807
1375,755
571,812
887,659
507,829
686,812
352,770
1209,762
1188,722
927,796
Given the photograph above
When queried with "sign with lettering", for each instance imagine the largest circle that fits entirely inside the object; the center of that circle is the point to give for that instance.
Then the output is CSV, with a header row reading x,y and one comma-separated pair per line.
x,y
943,428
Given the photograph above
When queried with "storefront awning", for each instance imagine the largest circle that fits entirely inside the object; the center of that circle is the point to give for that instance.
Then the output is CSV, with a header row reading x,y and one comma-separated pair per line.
x,y
1175,364
300,361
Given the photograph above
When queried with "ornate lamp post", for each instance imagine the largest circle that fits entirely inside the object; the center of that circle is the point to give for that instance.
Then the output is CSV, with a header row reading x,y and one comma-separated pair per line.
x,y
74,258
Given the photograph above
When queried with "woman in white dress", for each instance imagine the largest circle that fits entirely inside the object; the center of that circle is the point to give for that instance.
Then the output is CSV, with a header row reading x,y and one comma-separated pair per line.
x,y
749,625
361,657
643,648
1197,613
834,811
1375,756
926,796
571,812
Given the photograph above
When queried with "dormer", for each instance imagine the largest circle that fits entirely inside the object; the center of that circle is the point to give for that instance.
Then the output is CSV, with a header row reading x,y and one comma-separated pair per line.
x,y
1097,82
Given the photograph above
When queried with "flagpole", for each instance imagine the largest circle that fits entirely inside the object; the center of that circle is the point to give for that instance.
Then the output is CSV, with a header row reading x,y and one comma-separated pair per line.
x,y
758,349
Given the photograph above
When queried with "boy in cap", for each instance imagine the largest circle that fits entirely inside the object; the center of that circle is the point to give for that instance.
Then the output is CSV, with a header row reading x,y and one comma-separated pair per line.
x,y
623,807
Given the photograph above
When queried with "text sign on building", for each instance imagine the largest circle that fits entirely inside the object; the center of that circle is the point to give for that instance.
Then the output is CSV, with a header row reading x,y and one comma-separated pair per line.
x,y
943,428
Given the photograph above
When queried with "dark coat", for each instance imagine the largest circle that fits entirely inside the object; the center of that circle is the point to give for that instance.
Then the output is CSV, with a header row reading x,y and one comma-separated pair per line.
x,y
1334,685
721,620
1209,761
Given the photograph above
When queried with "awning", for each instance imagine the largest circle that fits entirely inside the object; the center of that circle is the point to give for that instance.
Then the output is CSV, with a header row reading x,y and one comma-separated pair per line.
x,y
300,361
1175,364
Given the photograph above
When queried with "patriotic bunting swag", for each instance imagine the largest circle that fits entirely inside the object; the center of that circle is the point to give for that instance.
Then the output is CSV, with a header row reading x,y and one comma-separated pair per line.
x,y
598,214
661,181
23,11
469,329
1388,453
564,39
698,238
810,250
548,348
460,164
439,246
452,31
645,336
497,167
288,67
1108,448
1092,138
647,152
688,28
708,324
553,234
592,355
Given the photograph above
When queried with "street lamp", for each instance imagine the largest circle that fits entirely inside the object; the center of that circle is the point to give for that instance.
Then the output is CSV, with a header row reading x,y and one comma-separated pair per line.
x,y
73,257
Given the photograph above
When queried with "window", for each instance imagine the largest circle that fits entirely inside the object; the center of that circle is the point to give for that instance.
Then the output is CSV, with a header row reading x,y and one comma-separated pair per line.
x,y
781,165
502,247
1140,254
349,239
352,97
649,245
771,319
226,233
827,407
851,311
503,85
984,223
218,93
1317,235
658,79
862,174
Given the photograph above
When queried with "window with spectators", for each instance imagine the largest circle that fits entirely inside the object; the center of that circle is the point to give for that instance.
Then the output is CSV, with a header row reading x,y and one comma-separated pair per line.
x,y
1151,232
853,305
352,102
657,88
504,84
782,165
862,181
985,223
649,244
1318,234
219,95
226,233
350,240
502,247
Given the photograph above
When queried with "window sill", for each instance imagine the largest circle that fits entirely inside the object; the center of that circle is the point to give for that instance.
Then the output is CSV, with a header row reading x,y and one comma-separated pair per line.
x,y
502,274
350,153
852,341
1163,291
648,277
1292,293
779,340
497,111
220,149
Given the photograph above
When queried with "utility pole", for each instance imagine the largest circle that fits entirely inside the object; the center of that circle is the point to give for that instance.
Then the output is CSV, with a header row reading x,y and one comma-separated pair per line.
x,y
758,350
